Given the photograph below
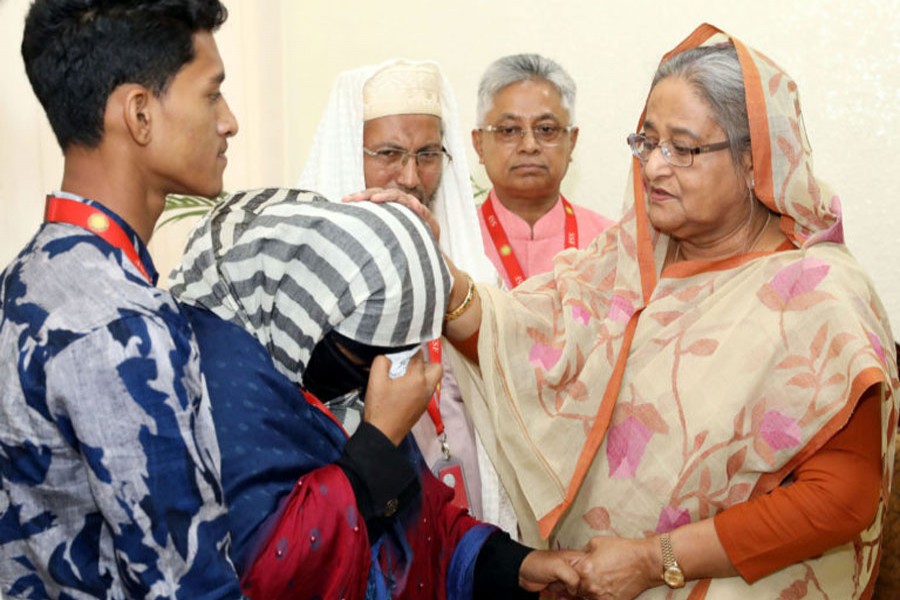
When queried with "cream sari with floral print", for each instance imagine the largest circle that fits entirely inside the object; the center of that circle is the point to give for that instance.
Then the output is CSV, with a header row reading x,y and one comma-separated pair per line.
x,y
621,400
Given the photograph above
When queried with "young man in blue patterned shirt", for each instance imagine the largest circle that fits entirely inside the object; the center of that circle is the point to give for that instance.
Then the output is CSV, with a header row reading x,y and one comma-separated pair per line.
x,y
109,465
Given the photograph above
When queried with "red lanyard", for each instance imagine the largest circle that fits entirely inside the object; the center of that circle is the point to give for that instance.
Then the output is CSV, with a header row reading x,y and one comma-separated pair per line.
x,y
64,210
434,405
511,265
310,399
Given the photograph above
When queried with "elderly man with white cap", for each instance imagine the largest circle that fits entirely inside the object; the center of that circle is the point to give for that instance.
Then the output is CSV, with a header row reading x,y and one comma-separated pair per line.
x,y
395,125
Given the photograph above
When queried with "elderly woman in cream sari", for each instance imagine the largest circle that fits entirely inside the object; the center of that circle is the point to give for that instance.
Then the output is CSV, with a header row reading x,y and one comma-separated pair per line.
x,y
705,397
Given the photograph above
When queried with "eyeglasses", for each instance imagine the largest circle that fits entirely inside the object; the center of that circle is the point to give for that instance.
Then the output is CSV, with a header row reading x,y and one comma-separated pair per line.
x,y
394,159
672,153
545,135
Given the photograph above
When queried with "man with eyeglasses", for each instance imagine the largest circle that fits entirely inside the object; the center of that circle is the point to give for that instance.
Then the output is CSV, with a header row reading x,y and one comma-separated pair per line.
x,y
525,139
395,126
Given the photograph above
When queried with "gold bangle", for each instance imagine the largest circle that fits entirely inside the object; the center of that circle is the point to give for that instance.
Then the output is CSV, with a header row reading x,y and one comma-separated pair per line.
x,y
466,303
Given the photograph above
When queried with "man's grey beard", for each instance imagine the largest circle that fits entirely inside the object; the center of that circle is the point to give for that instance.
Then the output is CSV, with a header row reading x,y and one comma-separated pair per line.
x,y
429,201
419,193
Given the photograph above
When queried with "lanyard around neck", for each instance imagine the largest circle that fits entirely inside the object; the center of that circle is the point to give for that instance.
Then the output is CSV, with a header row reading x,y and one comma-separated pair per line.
x,y
64,210
514,273
311,399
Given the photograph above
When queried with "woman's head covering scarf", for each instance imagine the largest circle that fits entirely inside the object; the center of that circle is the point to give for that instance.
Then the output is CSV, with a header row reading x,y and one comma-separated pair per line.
x,y
621,399
289,267
334,167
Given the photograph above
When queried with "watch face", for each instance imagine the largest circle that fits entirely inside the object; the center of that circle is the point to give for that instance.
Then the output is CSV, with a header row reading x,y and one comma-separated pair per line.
x,y
673,577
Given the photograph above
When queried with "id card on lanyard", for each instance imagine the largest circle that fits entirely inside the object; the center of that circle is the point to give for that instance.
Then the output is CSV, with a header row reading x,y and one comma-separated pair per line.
x,y
448,469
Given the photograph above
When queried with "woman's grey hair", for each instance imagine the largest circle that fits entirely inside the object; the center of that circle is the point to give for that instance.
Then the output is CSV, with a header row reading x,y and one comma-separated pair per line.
x,y
521,67
715,73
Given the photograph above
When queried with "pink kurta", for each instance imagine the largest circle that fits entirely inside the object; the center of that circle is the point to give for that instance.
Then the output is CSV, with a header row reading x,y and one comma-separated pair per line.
x,y
535,247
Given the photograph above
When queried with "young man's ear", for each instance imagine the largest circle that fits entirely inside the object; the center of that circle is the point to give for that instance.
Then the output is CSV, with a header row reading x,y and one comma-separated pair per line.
x,y
136,112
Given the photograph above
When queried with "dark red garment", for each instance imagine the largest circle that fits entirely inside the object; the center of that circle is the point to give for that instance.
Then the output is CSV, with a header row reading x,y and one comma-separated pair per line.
x,y
319,547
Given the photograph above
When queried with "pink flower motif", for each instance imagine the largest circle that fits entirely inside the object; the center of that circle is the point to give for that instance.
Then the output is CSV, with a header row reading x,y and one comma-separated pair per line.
x,y
876,345
779,431
620,309
835,233
671,518
625,444
544,356
580,314
799,278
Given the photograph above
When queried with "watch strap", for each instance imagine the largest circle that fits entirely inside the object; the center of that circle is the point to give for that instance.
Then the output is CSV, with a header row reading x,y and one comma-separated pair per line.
x,y
672,574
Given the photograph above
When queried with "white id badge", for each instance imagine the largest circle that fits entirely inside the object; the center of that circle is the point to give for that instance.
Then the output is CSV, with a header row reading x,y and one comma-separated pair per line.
x,y
450,472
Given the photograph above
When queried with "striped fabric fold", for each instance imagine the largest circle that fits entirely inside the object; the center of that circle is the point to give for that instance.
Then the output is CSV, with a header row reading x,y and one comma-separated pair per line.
x,y
289,266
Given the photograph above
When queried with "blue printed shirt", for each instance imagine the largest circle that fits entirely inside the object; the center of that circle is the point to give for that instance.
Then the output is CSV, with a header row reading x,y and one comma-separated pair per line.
x,y
109,465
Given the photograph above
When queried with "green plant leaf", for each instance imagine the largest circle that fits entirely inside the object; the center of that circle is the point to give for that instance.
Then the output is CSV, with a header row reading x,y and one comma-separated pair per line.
x,y
477,190
184,207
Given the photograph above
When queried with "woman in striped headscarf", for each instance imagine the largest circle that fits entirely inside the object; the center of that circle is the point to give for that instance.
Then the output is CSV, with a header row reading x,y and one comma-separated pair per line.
x,y
285,290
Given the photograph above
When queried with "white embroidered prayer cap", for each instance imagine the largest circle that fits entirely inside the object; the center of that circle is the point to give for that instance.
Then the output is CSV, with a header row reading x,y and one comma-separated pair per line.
x,y
402,88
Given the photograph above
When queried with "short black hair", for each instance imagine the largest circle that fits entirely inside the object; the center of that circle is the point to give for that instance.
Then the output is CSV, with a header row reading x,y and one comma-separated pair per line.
x,y
77,52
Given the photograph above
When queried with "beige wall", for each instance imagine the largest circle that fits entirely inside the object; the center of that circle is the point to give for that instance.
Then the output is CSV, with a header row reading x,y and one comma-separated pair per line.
x,y
282,56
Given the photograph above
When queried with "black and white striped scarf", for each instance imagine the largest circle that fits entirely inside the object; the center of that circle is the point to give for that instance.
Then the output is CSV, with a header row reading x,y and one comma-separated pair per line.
x,y
288,266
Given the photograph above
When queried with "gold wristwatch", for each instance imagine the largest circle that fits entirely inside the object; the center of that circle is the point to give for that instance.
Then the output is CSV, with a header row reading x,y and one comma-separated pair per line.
x,y
672,573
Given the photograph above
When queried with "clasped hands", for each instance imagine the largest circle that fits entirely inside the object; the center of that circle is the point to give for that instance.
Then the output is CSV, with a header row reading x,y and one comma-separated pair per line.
x,y
608,567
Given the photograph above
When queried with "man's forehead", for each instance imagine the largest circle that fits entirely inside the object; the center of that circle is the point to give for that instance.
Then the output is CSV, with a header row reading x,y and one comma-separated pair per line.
x,y
528,100
539,116
416,126
206,63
